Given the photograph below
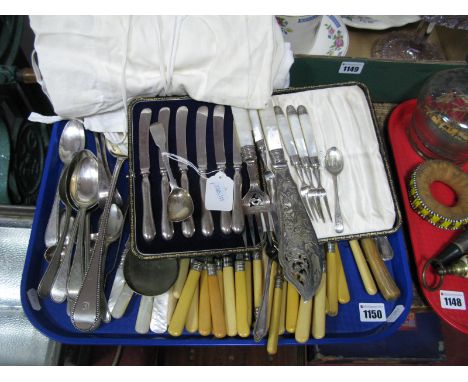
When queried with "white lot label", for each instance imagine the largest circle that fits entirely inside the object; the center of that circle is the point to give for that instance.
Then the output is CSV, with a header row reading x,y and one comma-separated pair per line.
x,y
219,192
348,67
452,300
370,312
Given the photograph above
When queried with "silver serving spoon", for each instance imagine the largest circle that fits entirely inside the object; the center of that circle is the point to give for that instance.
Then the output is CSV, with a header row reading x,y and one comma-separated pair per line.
x,y
179,202
86,312
334,165
72,140
83,193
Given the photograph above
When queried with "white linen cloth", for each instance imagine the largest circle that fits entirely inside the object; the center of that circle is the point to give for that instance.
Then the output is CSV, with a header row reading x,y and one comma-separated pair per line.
x,y
341,117
89,66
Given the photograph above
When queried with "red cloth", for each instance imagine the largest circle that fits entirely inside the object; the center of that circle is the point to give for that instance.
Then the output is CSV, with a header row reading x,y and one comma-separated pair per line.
x,y
426,240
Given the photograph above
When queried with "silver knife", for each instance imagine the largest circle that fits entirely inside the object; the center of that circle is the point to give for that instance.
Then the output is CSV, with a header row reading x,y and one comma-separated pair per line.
x,y
299,253
148,227
237,211
167,227
188,226
218,134
207,226
295,156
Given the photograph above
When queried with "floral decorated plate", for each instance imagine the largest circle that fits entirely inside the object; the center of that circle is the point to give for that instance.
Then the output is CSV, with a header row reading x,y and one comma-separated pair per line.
x,y
332,38
378,22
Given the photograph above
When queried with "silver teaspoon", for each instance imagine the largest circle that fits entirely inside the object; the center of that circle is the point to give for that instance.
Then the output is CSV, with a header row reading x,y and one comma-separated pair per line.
x,y
334,165
179,202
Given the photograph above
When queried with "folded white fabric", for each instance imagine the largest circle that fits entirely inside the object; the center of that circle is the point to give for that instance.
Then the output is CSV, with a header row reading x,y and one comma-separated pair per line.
x,y
90,64
341,117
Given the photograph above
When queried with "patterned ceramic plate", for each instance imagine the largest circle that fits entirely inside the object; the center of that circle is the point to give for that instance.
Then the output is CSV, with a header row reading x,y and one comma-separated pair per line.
x,y
332,38
378,22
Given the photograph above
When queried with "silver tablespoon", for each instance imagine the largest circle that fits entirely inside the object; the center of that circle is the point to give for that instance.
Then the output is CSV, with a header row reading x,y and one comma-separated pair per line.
x,y
72,140
86,314
179,202
83,193
334,165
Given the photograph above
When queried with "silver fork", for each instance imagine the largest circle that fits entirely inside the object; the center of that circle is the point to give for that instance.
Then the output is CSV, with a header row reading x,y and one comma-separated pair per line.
x,y
317,192
310,202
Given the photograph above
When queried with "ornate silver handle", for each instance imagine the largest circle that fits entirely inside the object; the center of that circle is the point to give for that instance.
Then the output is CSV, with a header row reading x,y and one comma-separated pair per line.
x,y
299,254
167,228
237,211
207,226
45,285
86,315
188,226
148,228
339,227
250,159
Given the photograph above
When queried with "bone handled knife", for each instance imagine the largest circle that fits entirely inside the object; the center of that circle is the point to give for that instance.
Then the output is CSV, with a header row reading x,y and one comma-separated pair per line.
x,y
237,211
167,227
207,226
218,134
188,226
148,227
297,235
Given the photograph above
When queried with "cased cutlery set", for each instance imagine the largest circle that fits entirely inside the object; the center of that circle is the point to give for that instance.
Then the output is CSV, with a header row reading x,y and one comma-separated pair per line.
x,y
226,206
